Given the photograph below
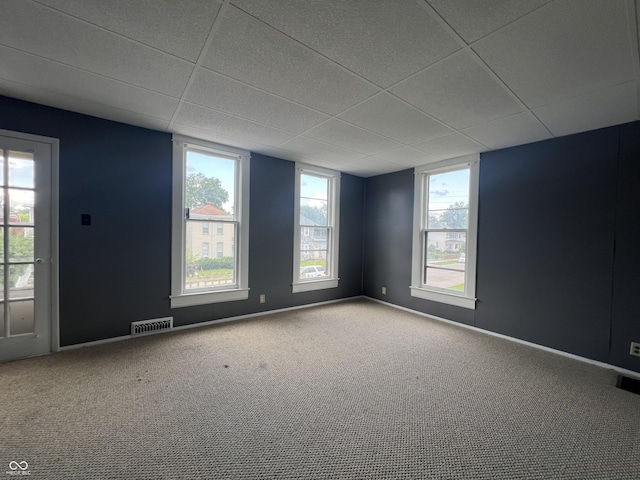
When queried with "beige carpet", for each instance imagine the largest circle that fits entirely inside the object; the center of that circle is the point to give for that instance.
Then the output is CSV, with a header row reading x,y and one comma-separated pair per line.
x,y
343,391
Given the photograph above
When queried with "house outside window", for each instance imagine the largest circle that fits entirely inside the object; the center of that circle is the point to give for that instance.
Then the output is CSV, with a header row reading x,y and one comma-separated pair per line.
x,y
444,232
211,185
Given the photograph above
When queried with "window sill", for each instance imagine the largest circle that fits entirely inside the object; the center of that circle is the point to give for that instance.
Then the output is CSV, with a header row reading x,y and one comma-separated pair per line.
x,y
442,297
190,299
314,285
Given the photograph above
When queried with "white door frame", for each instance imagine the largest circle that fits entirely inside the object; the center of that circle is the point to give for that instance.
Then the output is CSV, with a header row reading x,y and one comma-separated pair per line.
x,y
54,240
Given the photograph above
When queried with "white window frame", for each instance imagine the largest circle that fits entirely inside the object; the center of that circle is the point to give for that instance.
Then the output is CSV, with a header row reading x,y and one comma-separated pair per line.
x,y
418,288
333,212
239,291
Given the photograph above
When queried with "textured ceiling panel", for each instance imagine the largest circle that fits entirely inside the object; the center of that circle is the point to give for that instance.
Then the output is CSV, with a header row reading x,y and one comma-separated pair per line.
x,y
311,149
248,50
514,130
603,108
407,157
215,136
459,92
46,75
399,37
222,124
386,115
75,104
473,19
180,28
30,27
222,93
348,136
449,146
563,49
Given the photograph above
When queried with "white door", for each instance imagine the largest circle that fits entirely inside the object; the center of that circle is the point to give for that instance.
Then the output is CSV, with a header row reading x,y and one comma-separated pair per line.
x,y
25,246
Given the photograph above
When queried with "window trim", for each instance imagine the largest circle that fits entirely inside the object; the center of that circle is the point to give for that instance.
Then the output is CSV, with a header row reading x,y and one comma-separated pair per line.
x,y
418,288
299,285
240,291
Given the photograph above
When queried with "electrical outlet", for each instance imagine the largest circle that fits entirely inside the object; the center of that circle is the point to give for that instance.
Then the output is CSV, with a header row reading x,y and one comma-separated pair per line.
x,y
263,298
635,349
384,290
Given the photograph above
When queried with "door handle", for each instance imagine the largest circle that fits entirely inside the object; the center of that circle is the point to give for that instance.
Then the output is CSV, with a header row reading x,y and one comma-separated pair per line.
x,y
39,260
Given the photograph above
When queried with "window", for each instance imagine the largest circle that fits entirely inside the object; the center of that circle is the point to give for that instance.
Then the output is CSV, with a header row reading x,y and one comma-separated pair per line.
x,y
316,236
220,249
211,184
220,229
205,228
444,231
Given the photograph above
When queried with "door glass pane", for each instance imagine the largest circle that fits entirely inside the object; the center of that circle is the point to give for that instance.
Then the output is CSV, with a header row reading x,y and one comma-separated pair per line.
x,y
21,281
210,188
1,167
21,244
314,194
2,283
204,270
21,204
1,319
21,315
21,168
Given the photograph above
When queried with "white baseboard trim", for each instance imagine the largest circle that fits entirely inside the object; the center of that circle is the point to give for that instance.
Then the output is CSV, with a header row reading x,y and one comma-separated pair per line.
x,y
210,322
623,371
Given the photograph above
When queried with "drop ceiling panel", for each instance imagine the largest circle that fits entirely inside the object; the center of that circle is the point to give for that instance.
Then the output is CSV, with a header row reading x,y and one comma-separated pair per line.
x,y
180,28
46,75
233,127
216,136
610,106
563,49
75,104
348,136
388,116
313,149
37,29
450,146
509,131
472,19
407,157
399,37
225,94
252,52
459,92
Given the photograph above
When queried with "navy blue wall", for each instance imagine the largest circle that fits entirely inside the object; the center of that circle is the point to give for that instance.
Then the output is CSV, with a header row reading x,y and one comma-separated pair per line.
x,y
118,270
548,216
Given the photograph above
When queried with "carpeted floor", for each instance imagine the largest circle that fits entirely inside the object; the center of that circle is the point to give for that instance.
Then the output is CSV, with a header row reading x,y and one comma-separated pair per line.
x,y
343,391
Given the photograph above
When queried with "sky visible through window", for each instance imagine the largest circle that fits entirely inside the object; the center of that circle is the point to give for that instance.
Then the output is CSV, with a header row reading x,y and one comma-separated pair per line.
x,y
214,167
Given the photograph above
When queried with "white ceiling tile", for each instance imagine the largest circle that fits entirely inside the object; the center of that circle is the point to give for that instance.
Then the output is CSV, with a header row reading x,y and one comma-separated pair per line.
x,y
387,115
310,148
450,146
250,51
509,131
343,31
180,28
369,166
348,136
29,70
222,93
216,136
457,91
84,106
610,106
566,48
31,28
226,125
472,19
407,157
